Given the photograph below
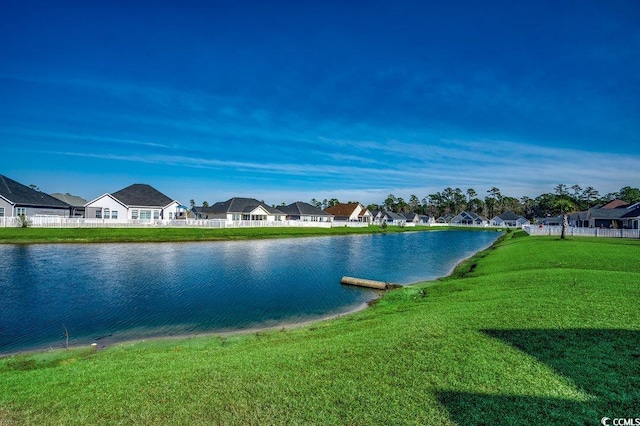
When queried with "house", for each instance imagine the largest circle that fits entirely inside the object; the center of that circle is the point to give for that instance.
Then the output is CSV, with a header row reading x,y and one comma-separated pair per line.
x,y
305,212
76,203
17,199
350,212
469,218
615,214
419,219
447,218
390,218
135,202
549,220
238,208
510,219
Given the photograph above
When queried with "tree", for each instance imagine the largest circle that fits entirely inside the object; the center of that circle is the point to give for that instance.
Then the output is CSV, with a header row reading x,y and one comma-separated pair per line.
x,y
561,189
471,194
401,206
629,194
315,203
563,207
390,203
332,202
414,204
34,187
589,195
205,204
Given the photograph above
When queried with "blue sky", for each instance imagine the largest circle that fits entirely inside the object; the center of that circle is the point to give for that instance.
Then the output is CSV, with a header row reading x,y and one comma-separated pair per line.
x,y
287,101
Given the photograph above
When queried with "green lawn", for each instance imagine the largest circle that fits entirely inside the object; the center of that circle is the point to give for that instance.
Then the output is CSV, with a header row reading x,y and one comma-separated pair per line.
x,y
157,234
534,330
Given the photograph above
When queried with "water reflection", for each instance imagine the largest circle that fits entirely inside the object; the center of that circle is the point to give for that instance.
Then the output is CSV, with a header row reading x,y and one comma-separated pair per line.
x,y
122,291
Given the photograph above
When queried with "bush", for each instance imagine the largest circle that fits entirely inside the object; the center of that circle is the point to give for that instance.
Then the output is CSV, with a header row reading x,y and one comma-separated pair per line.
x,y
23,221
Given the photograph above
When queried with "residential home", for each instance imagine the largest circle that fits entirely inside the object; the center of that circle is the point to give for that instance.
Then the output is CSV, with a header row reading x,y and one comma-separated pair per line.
x,y
549,221
17,199
305,212
469,218
76,203
447,218
510,219
616,214
419,219
350,212
390,218
238,209
135,202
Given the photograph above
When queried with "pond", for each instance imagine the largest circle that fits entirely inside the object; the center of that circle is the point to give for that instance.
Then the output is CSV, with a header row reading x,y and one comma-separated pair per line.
x,y
105,293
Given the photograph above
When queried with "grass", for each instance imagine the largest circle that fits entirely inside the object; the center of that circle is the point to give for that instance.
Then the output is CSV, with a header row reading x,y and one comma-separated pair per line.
x,y
531,331
155,234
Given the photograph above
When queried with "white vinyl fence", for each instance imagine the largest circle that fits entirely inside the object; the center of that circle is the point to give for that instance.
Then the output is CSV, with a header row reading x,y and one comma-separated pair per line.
x,y
67,222
582,232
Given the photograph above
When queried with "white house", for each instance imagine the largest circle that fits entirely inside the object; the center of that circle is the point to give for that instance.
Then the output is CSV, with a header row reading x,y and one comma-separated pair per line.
x,y
305,212
239,209
350,212
135,202
510,219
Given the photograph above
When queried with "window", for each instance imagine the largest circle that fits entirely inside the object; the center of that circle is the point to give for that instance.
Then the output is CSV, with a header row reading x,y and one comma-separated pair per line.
x,y
145,214
235,216
156,214
134,214
114,214
1,211
106,213
98,213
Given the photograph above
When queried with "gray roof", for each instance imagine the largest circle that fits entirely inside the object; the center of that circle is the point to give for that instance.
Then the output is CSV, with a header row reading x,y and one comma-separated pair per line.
x,y
393,216
300,208
73,200
140,194
22,195
469,215
509,216
616,213
237,205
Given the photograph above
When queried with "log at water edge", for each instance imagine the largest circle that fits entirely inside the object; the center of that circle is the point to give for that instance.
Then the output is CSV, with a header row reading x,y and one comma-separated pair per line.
x,y
361,282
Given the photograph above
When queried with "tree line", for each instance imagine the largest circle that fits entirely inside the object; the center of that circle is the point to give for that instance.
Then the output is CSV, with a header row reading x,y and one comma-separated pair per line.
x,y
564,199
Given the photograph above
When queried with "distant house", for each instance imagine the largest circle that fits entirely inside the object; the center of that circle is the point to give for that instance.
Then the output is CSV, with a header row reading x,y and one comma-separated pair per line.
x,y
17,199
419,219
446,218
350,212
76,203
305,212
615,214
135,202
469,218
390,218
509,219
239,209
549,220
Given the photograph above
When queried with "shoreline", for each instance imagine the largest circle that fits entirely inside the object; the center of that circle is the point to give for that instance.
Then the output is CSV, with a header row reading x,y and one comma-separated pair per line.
x,y
284,325
287,325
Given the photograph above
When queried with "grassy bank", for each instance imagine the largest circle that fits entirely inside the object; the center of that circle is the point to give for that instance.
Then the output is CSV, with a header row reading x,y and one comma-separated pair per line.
x,y
531,331
155,234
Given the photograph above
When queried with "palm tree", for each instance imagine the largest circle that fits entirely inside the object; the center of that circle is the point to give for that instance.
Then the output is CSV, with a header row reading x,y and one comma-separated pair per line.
x,y
564,207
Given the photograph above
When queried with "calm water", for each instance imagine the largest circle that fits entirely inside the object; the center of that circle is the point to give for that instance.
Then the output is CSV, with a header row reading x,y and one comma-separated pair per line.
x,y
111,292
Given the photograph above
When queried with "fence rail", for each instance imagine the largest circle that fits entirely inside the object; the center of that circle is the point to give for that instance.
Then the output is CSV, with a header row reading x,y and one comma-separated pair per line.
x,y
582,232
68,222
76,222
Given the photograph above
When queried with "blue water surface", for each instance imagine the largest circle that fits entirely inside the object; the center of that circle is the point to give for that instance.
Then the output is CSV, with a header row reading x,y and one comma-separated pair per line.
x,y
112,292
